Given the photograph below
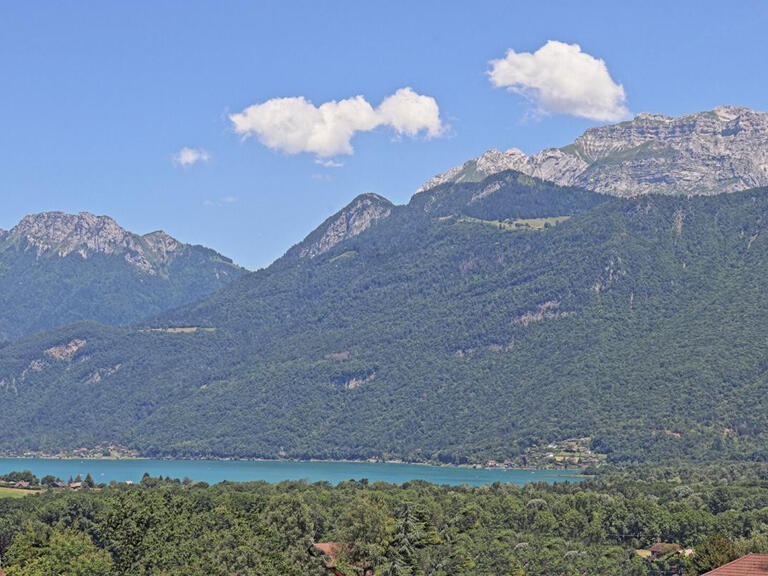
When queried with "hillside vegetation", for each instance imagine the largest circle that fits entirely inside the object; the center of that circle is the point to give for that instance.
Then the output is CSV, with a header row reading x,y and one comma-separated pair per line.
x,y
639,324
177,528
58,268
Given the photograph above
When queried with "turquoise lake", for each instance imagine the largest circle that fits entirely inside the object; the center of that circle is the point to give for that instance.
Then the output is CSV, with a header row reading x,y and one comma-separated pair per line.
x,y
214,471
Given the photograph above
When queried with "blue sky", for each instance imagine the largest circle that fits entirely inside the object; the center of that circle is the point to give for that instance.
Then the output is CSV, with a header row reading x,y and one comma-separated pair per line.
x,y
97,97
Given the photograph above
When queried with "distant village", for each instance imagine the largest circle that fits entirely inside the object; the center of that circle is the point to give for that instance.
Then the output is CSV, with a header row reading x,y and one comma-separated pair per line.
x,y
569,453
100,451
26,481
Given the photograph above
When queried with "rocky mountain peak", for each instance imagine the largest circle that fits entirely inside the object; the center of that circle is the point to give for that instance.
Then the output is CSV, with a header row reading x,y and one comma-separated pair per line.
x,y
66,233
161,242
722,150
490,162
85,234
728,113
359,215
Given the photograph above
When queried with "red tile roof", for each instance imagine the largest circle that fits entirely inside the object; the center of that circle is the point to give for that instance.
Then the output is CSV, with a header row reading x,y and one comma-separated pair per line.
x,y
329,548
749,565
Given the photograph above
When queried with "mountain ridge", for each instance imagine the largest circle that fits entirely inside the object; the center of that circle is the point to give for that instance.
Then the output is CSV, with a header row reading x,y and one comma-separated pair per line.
x,y
482,320
704,153
466,332
57,267
61,234
364,211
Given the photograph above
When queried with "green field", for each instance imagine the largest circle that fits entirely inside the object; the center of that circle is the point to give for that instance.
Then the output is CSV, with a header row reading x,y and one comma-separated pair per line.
x,y
14,492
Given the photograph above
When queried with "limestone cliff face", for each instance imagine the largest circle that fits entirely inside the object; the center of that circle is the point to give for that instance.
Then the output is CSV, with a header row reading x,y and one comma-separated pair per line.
x,y
723,150
359,215
84,234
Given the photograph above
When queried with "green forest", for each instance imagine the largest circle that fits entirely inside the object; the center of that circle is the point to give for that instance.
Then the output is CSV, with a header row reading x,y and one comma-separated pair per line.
x,y
44,291
706,516
441,334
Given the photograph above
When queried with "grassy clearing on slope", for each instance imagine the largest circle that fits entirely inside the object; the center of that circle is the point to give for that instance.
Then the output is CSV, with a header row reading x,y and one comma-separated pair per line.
x,y
517,224
180,330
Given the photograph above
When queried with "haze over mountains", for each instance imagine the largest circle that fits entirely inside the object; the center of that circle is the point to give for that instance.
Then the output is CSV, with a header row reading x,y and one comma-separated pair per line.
x,y
489,315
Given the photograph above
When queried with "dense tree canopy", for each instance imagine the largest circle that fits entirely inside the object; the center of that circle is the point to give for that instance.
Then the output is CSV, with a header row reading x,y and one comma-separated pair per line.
x,y
474,324
44,285
595,527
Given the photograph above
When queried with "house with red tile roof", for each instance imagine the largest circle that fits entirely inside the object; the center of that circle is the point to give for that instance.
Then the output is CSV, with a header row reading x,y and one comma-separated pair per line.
x,y
749,565
331,550
662,549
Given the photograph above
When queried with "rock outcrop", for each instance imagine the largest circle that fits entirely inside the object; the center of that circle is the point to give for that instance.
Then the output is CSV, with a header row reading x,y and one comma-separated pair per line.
x,y
723,150
359,215
84,234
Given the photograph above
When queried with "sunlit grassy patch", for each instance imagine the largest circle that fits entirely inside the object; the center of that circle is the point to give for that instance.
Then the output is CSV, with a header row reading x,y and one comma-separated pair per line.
x,y
14,492
519,223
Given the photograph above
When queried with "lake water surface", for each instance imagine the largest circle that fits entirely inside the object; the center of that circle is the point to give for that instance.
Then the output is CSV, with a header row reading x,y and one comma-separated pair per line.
x,y
213,471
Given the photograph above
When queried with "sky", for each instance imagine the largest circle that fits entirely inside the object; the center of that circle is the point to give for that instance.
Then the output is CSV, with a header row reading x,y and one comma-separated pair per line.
x,y
243,125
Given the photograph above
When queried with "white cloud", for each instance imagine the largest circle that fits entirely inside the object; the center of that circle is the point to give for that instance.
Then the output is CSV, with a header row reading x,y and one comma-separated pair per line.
x,y
328,163
409,113
224,201
559,78
295,125
190,156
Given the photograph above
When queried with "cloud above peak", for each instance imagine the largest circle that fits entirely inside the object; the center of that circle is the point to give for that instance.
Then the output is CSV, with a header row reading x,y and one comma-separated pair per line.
x,y
410,113
295,125
561,79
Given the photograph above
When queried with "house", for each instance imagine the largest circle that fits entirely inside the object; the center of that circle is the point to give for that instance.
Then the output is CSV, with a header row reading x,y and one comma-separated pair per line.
x,y
662,549
21,484
75,485
59,484
749,565
331,550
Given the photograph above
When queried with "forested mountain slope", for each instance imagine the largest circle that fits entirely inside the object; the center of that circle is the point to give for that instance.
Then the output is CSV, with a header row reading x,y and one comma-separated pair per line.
x,y
471,324
57,268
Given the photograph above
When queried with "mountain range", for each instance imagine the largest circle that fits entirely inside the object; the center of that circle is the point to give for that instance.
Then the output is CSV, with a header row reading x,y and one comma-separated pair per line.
x,y
57,268
493,315
723,150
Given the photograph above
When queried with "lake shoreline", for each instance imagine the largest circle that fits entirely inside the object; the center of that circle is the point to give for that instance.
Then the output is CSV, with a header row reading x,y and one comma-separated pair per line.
x,y
105,470
293,460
